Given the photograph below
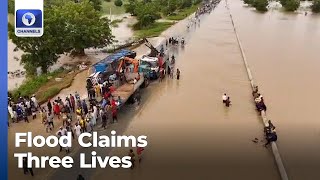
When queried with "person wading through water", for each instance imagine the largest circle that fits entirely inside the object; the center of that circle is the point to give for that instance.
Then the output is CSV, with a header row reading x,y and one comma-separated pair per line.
x,y
25,167
104,120
132,155
228,102
224,98
178,74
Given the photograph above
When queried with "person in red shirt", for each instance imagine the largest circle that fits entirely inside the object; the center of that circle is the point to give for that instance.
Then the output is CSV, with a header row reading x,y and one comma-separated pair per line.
x,y
56,109
139,153
113,103
107,95
112,89
73,103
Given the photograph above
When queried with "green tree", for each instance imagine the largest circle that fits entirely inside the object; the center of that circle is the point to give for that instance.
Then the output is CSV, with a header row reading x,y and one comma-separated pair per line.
x,y
290,5
69,26
84,26
261,5
118,3
130,7
315,6
96,4
147,13
169,6
42,51
249,2
11,7
185,4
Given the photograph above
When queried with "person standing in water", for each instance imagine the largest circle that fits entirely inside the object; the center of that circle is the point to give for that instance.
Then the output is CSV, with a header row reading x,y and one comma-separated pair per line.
x,y
26,169
228,102
132,155
224,98
178,74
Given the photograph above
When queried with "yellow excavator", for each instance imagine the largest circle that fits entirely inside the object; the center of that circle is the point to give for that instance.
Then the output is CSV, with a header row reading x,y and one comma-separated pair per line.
x,y
125,60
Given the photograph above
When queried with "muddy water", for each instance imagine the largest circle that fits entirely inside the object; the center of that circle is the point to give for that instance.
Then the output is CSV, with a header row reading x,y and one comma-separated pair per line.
x,y
191,134
283,52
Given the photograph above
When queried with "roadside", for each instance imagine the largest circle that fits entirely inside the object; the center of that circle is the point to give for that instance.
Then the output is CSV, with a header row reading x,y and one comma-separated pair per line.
x,y
37,128
79,85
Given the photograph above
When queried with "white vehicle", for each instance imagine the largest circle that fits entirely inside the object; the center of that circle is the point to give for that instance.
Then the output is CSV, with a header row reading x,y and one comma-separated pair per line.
x,y
153,62
93,79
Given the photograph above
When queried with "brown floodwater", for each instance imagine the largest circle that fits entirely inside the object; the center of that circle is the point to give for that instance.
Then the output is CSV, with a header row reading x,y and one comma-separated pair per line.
x,y
191,135
283,52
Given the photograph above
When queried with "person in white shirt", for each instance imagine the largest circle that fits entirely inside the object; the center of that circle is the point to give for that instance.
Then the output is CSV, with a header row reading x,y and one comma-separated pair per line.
x,y
35,101
224,98
77,129
258,99
11,113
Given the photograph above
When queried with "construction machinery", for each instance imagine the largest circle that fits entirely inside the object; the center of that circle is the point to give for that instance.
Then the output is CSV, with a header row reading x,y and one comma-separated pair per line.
x,y
127,60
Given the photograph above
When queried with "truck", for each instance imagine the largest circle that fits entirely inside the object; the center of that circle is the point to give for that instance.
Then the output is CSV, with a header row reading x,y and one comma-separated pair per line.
x,y
150,66
153,64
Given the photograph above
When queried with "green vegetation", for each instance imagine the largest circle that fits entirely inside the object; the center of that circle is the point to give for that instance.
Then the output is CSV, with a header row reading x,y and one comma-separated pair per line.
x,y
290,5
70,27
115,22
96,4
148,11
11,6
11,19
249,2
147,14
50,93
115,10
30,86
44,86
315,6
153,30
260,5
118,3
183,13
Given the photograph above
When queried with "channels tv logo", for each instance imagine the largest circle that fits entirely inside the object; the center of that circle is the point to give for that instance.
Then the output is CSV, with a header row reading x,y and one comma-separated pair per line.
x,y
29,23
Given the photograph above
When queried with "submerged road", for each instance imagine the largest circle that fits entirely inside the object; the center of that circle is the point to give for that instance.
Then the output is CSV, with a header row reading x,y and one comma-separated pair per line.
x,y
191,134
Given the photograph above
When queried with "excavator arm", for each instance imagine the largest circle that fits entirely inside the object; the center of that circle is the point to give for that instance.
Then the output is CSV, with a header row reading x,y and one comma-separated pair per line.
x,y
131,61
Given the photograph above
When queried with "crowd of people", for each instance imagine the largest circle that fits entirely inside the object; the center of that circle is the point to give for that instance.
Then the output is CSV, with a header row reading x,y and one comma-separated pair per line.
x,y
269,130
78,115
23,108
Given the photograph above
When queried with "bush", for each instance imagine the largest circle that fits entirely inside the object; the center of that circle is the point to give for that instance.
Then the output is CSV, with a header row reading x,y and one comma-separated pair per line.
x,y
118,3
31,86
186,4
290,5
315,6
146,14
130,7
249,2
261,5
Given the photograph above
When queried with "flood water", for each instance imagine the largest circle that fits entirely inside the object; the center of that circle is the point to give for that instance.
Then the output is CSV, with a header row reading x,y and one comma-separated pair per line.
x,y
283,53
191,135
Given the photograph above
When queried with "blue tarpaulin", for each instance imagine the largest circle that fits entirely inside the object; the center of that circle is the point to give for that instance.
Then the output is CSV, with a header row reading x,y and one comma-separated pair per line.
x,y
103,64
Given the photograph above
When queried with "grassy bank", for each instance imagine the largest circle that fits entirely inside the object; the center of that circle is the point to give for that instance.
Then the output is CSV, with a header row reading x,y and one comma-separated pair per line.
x,y
45,86
183,13
115,10
11,19
154,30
